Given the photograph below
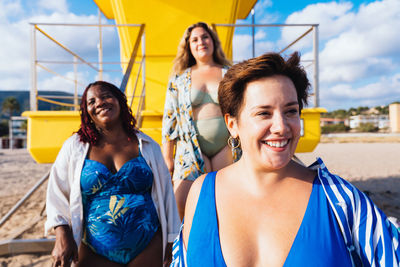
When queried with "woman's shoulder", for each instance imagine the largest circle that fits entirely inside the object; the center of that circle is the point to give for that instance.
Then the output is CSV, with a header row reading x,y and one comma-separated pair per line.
x,y
71,148
74,141
191,203
196,186
182,75
206,180
194,192
336,185
144,137
324,173
179,81
148,142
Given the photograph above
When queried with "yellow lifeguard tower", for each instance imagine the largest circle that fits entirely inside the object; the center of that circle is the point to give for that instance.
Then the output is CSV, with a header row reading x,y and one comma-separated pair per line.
x,y
165,22
162,23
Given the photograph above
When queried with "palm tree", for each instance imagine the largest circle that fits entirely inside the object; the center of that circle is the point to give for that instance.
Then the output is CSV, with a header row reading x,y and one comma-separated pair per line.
x,y
10,105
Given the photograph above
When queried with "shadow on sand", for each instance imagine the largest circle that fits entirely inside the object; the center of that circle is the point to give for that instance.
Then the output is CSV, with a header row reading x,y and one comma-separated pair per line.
x,y
384,192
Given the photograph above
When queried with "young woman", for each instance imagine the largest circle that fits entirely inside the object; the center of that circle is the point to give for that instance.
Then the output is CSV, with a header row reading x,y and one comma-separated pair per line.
x,y
193,125
266,209
110,198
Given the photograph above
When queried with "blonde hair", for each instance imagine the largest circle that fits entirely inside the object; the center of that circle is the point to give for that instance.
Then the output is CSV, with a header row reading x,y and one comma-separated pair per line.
x,y
184,58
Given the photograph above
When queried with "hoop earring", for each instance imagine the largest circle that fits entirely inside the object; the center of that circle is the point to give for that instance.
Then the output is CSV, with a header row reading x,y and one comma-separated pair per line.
x,y
233,142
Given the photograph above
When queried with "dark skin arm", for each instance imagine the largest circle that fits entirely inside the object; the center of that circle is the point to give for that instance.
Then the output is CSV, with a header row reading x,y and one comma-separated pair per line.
x,y
168,255
65,249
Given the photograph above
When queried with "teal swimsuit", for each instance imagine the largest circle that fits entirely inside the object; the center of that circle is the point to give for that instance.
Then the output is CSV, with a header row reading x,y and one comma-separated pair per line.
x,y
212,132
120,218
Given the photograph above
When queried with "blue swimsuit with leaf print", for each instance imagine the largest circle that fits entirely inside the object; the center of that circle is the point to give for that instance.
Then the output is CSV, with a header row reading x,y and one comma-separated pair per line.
x,y
120,218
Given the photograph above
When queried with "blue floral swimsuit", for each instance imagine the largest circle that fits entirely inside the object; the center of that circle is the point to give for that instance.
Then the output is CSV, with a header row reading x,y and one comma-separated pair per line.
x,y
120,218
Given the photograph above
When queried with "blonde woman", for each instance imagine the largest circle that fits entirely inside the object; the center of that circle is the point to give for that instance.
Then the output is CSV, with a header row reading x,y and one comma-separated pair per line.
x,y
193,125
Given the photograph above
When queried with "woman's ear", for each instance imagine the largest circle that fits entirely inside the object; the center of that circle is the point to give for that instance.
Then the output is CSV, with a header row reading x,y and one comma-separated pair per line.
x,y
231,124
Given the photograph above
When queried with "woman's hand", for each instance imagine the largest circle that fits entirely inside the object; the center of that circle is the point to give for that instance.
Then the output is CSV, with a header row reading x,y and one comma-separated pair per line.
x,y
170,166
168,154
168,255
65,250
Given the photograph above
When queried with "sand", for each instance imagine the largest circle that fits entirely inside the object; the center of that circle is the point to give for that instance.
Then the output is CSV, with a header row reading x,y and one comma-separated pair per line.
x,y
19,173
372,167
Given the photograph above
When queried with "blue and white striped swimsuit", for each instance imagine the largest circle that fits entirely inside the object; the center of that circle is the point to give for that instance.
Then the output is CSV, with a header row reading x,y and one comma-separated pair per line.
x,y
120,218
319,241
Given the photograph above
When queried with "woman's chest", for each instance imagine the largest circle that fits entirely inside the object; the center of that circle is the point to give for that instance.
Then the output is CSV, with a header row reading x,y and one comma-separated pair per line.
x,y
205,81
113,157
282,231
259,231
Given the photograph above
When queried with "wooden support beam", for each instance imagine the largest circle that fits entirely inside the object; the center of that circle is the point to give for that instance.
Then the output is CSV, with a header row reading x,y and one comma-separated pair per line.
x,y
22,200
19,231
26,246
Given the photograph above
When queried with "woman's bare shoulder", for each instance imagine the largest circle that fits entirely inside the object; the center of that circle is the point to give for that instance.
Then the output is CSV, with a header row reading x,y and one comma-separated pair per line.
x,y
193,195
191,203
300,171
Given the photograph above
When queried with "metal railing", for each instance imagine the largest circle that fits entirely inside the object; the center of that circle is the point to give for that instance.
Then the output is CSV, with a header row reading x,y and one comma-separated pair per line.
x,y
315,61
141,70
77,59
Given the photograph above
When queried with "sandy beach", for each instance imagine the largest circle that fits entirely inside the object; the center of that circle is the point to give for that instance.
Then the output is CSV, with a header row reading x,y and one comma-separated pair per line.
x,y
372,167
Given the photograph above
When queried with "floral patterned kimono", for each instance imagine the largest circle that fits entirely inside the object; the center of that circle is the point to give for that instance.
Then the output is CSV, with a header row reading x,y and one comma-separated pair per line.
x,y
178,125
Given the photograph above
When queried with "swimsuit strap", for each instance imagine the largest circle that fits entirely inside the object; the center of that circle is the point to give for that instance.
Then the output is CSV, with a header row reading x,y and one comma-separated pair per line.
x,y
204,244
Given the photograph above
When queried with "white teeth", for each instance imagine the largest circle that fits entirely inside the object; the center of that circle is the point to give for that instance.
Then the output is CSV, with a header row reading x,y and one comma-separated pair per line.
x,y
103,109
277,143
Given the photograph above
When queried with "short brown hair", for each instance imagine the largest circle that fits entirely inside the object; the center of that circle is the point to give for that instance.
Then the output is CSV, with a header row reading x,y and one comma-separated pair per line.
x,y
232,87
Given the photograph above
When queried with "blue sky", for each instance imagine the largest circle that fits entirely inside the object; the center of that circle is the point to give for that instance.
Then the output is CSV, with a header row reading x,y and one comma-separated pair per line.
x,y
359,48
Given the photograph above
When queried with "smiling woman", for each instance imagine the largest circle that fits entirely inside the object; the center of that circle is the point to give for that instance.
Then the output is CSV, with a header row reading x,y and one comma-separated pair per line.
x,y
110,198
266,209
192,121
102,107
269,122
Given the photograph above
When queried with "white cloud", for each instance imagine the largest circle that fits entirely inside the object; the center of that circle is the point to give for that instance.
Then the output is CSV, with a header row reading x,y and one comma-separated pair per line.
x,y
262,5
351,38
368,49
260,35
241,46
53,5
333,18
15,54
54,82
356,70
57,83
382,92
9,8
358,45
261,14
264,47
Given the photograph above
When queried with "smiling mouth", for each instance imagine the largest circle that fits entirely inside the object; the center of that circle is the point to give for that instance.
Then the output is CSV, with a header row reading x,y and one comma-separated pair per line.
x,y
103,110
277,144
